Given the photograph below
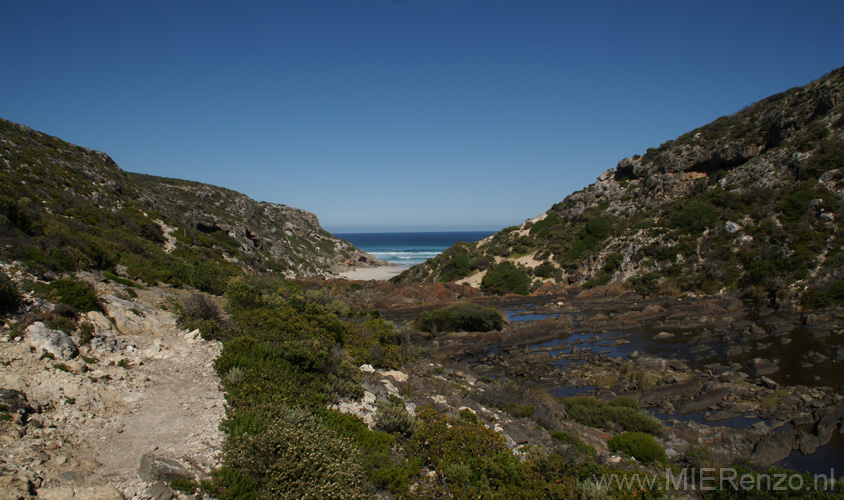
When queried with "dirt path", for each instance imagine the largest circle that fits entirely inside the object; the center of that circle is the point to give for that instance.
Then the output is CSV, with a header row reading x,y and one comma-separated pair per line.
x,y
144,387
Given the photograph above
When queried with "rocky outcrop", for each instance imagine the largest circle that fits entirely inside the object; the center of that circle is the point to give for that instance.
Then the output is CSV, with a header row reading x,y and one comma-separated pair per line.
x,y
54,342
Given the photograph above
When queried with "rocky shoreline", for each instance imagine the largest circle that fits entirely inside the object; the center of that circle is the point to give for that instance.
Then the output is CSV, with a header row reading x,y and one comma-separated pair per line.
x,y
710,362
119,414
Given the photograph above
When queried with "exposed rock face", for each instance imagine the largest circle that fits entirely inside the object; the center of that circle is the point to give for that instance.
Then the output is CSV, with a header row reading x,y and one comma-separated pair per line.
x,y
266,230
57,343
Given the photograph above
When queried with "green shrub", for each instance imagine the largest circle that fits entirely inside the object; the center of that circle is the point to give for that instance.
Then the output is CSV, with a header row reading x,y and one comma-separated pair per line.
x,y
468,416
545,270
613,262
589,238
86,332
826,295
123,281
830,156
391,416
10,297
184,485
621,413
640,446
294,456
573,440
646,285
200,311
77,294
519,410
692,217
461,317
456,266
542,229
506,278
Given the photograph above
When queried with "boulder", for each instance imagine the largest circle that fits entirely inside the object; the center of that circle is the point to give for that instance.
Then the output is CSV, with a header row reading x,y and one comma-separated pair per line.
x,y
705,400
758,367
773,447
12,401
770,384
154,468
160,491
57,343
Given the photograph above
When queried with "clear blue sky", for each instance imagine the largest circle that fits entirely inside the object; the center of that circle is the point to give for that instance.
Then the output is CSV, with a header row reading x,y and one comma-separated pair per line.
x,y
383,114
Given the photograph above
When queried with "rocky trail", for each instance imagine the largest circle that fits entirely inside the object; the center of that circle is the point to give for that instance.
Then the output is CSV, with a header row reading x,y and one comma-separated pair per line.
x,y
139,404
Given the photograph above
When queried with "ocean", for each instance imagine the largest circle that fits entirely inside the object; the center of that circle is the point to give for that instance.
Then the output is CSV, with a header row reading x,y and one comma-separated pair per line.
x,y
409,249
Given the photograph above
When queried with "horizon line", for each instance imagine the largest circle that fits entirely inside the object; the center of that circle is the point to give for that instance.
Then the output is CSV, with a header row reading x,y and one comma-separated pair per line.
x,y
409,229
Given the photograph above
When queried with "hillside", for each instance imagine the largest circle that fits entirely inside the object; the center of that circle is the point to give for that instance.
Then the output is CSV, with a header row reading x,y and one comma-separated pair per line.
x,y
751,202
65,208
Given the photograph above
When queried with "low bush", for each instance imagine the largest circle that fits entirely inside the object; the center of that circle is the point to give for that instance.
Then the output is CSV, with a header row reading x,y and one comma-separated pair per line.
x,y
461,317
77,294
473,461
391,416
576,442
621,413
545,270
293,456
123,281
646,285
10,297
457,265
692,217
506,278
638,445
825,296
200,311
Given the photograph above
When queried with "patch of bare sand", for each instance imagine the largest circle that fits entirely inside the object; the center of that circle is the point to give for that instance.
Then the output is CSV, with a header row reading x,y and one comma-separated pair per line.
x,y
380,273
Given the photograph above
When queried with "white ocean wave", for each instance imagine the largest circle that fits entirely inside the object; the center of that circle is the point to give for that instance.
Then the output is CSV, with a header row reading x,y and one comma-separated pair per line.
x,y
425,255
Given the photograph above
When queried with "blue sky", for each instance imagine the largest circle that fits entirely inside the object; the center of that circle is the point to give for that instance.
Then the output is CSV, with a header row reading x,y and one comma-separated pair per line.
x,y
385,114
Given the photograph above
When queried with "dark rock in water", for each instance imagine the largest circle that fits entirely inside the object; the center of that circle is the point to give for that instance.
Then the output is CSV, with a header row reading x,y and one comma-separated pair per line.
x,y
732,377
828,421
705,400
155,468
656,395
758,367
806,443
770,384
772,448
816,357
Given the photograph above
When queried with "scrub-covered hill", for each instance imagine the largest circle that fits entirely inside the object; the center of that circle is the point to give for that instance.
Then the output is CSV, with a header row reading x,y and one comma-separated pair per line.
x,y
750,202
65,208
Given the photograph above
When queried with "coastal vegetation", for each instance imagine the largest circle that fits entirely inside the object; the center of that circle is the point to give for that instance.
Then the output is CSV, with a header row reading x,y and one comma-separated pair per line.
x,y
750,204
618,414
461,317
744,207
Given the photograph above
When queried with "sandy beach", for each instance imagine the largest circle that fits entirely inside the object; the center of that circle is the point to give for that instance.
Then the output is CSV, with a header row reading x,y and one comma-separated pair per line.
x,y
380,273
